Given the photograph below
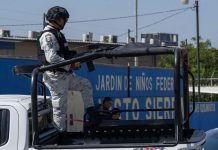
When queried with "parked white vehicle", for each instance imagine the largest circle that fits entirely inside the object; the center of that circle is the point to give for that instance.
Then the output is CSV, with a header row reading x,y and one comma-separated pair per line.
x,y
15,125
211,139
26,123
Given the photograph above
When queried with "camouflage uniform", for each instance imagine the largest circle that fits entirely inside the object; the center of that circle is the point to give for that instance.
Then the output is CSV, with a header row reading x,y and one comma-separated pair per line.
x,y
59,83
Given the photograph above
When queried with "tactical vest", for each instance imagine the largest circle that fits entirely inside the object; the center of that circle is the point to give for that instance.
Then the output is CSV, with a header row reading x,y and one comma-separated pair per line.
x,y
62,52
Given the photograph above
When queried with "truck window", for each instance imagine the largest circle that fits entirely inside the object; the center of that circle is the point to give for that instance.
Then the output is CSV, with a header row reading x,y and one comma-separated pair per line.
x,y
4,126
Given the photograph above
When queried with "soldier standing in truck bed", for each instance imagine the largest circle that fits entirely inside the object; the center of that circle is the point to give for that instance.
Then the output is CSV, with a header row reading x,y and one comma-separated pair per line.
x,y
54,49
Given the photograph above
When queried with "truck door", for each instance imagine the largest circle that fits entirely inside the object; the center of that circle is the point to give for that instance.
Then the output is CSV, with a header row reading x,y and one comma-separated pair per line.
x,y
8,128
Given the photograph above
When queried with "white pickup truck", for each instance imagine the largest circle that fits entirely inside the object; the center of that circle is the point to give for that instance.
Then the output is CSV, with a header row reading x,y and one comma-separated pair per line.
x,y
26,123
16,128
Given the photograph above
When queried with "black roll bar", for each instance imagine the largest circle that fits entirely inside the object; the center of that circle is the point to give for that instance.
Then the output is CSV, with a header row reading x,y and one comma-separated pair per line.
x,y
35,132
122,51
178,112
185,88
193,93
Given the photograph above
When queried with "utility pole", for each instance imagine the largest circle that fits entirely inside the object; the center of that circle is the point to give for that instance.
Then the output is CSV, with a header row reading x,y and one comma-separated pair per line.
x,y
198,43
136,30
198,47
128,40
44,24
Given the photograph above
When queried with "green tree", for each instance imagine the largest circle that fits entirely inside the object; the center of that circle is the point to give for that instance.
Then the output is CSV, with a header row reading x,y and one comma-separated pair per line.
x,y
208,61
208,58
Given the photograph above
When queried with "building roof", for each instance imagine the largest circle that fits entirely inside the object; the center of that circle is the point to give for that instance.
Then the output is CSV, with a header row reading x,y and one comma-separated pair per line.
x,y
20,38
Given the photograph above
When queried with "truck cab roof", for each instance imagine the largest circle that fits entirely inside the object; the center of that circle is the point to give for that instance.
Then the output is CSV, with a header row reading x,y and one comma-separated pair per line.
x,y
24,100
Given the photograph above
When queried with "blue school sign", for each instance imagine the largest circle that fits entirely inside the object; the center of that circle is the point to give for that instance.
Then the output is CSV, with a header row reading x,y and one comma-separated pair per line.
x,y
148,88
144,88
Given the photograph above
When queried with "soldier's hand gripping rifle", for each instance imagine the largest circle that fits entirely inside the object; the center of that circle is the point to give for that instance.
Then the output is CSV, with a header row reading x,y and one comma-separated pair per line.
x,y
89,63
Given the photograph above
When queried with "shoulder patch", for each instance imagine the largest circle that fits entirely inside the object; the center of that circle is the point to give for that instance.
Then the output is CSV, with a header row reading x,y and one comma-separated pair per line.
x,y
49,40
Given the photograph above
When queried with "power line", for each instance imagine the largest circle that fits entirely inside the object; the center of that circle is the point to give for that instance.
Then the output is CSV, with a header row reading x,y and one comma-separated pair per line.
x,y
156,22
20,11
131,16
22,25
168,17
101,19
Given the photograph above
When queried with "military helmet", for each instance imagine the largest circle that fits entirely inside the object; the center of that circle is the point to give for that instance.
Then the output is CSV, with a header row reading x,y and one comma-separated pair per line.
x,y
57,12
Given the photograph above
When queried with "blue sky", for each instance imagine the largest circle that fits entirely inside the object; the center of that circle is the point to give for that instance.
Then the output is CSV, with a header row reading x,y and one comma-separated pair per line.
x,y
30,12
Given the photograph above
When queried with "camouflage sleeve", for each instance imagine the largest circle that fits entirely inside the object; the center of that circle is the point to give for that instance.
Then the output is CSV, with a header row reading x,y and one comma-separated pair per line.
x,y
49,44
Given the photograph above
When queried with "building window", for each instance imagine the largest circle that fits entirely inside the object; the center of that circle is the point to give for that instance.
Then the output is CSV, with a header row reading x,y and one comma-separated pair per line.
x,y
4,126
